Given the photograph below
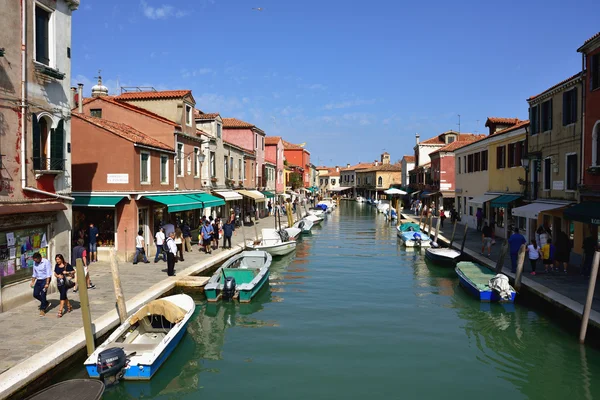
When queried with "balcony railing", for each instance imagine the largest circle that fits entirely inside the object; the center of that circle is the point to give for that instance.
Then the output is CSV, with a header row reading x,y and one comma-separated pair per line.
x,y
49,164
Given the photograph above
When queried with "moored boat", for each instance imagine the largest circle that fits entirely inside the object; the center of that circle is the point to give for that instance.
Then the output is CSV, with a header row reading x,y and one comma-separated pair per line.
x,y
360,199
315,219
479,281
137,348
274,242
305,224
410,235
442,256
242,276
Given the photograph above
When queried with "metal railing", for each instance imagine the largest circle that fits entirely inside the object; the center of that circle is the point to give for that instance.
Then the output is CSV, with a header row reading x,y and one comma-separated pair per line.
x,y
49,164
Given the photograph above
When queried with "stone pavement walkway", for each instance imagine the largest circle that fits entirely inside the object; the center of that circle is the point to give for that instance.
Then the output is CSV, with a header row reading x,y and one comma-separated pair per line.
x,y
25,333
573,285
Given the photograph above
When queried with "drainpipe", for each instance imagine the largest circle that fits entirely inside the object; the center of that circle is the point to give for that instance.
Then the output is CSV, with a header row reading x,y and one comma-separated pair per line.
x,y
23,90
80,98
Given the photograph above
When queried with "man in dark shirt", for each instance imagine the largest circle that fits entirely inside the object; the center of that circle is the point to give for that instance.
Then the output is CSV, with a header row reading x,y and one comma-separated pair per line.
x,y
93,242
515,241
590,245
486,239
187,236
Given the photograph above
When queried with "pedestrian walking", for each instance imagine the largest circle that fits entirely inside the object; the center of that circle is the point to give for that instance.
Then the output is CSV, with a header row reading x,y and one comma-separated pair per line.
x,y
139,248
493,226
228,231
171,254
289,212
40,281
179,244
515,241
216,232
479,216
93,242
206,236
187,236
442,217
548,251
63,272
534,253
563,251
80,252
159,240
270,207
486,239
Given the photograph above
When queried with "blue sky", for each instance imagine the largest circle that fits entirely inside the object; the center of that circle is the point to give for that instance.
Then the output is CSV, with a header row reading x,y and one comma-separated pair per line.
x,y
348,78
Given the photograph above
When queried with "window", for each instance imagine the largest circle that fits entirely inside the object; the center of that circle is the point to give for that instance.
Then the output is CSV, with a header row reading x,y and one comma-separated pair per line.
x,y
226,166
321,181
534,118
450,139
470,163
189,165
500,157
240,172
145,167
465,164
255,141
358,181
180,159
459,204
380,181
213,166
244,169
458,169
96,112
477,162
546,115
48,145
164,169
547,172
196,162
595,71
571,176
570,107
188,115
230,167
219,130
484,160
333,182
263,142
42,35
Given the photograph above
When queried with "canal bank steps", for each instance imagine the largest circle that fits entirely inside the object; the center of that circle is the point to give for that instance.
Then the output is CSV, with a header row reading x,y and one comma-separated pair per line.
x,y
565,292
33,346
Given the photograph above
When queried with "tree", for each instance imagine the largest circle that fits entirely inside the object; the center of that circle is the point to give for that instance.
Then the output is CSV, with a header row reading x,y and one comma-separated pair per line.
x,y
295,180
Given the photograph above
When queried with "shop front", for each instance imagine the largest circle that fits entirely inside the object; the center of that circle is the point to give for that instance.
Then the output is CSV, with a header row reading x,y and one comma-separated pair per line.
x,y
501,208
270,197
530,216
253,200
233,201
473,204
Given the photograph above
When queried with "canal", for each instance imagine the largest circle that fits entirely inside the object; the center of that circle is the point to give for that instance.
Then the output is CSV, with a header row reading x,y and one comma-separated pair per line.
x,y
355,316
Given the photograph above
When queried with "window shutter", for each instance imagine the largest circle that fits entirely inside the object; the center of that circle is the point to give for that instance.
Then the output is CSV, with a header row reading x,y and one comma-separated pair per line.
x,y
57,147
550,115
36,139
574,104
565,108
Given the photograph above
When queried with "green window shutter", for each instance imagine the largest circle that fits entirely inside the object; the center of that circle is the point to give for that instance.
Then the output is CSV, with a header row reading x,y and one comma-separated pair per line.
x,y
36,139
565,108
574,105
550,116
57,147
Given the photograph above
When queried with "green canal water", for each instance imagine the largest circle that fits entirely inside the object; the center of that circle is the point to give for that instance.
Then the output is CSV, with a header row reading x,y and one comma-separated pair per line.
x,y
355,316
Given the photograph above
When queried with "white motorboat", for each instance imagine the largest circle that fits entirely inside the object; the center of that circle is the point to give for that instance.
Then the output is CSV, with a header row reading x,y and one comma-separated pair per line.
x,y
443,256
293,232
316,212
360,199
410,235
383,206
315,219
137,349
305,224
273,242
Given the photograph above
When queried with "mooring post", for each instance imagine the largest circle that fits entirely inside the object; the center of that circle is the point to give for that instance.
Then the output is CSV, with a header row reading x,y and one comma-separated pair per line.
x,y
503,251
453,231
462,246
437,229
114,269
590,297
254,225
430,222
420,218
85,306
242,227
520,262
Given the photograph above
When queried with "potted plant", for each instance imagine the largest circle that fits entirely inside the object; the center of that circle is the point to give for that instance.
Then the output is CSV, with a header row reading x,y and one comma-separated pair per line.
x,y
522,181
213,179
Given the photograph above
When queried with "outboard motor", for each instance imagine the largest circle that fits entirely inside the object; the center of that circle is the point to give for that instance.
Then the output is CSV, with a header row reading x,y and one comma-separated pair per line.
x,y
111,365
229,288
284,235
301,225
417,238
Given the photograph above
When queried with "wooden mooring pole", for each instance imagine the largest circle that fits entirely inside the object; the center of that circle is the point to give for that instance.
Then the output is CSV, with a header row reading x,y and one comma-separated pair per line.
x,y
453,231
462,246
437,229
85,306
420,218
520,262
503,251
114,269
590,297
429,226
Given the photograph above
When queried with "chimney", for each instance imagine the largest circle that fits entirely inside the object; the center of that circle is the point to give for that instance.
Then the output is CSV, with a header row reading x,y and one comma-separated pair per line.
x,y
348,165
417,137
73,103
376,163
80,97
337,169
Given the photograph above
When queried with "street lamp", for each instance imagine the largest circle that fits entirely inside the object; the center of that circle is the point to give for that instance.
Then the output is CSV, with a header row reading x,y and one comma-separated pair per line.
x,y
525,163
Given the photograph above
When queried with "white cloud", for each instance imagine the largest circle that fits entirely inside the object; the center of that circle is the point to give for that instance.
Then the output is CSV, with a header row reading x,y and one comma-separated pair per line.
x,y
348,104
185,73
313,86
226,105
162,12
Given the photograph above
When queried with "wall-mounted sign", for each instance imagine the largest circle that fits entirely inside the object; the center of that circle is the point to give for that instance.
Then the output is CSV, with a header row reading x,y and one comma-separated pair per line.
x,y
558,185
117,178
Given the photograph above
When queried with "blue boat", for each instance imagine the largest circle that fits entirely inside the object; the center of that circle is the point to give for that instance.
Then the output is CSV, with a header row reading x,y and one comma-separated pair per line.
x,y
137,348
475,279
410,235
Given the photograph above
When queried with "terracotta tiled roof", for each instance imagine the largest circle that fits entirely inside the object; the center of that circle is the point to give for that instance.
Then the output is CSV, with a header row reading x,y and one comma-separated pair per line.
x,y
458,144
272,140
520,125
596,36
162,94
201,115
358,166
271,161
577,75
129,106
124,131
501,121
409,159
291,146
385,168
439,139
236,123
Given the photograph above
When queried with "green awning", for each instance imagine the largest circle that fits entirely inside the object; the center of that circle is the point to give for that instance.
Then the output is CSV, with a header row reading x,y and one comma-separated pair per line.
x,y
208,200
177,202
268,194
96,201
504,200
587,212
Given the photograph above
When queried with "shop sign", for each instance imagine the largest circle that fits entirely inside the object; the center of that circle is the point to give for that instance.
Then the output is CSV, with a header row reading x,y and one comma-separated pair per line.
x,y
558,185
117,178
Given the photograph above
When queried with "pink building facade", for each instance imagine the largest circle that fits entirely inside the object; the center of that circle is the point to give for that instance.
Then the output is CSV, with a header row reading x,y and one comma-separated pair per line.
x,y
274,152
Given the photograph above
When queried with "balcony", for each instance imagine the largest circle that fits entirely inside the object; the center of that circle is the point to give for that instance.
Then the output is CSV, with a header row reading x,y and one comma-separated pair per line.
x,y
43,165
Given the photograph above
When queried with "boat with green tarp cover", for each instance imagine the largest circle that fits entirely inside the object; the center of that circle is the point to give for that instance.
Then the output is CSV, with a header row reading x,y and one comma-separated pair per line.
x,y
242,276
476,278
